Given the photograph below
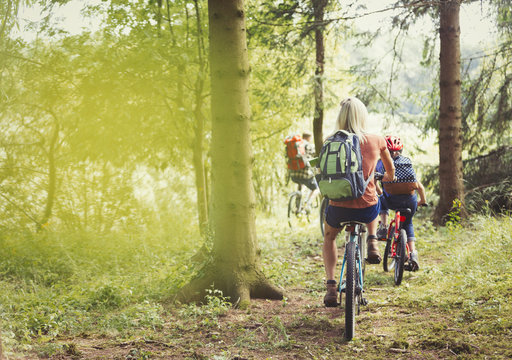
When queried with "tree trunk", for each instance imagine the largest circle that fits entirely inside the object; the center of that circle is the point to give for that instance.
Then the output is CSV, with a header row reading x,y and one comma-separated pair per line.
x,y
52,178
235,265
451,188
3,26
199,169
318,118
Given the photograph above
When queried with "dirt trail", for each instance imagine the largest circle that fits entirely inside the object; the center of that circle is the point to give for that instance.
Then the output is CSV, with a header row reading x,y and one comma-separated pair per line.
x,y
393,325
299,327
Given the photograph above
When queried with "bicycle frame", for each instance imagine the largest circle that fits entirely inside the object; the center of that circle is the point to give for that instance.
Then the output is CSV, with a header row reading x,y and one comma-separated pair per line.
x,y
398,220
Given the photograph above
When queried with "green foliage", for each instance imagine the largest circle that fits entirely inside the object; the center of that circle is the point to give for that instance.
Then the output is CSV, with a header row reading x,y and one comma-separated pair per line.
x,y
490,200
472,279
64,284
93,113
453,218
208,314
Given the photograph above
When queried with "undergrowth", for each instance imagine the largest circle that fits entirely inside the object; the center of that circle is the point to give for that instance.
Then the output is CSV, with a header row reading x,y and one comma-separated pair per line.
x,y
57,286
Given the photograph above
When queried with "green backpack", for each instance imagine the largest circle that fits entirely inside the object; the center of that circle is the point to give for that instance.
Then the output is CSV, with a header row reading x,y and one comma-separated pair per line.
x,y
340,164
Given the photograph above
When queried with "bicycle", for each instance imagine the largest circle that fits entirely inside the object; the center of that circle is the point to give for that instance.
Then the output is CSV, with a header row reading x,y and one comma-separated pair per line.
x,y
354,266
396,253
397,250
298,209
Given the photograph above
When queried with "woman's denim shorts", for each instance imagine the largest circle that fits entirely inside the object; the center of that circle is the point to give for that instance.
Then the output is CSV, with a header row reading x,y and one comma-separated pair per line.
x,y
336,215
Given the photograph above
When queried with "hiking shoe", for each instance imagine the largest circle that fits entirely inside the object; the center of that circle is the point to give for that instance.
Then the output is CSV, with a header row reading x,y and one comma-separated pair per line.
x,y
413,260
331,298
382,232
373,250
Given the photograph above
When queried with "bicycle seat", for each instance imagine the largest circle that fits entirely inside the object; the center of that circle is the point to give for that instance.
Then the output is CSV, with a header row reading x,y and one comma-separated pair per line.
x,y
404,211
345,223
350,225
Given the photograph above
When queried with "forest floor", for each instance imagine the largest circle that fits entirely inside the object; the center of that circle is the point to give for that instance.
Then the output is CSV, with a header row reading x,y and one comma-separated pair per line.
x,y
457,306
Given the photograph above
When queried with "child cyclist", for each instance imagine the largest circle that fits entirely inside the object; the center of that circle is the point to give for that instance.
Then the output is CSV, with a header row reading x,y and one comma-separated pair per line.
x,y
400,193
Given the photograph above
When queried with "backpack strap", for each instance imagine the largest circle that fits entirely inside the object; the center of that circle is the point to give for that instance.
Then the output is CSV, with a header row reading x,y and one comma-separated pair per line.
x,y
367,181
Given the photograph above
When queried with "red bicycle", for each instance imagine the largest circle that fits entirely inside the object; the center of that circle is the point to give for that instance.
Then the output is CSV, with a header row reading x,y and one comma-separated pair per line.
x,y
396,254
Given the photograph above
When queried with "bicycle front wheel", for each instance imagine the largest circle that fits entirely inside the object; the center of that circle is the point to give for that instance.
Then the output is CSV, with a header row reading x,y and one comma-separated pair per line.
x,y
323,207
350,290
400,257
362,254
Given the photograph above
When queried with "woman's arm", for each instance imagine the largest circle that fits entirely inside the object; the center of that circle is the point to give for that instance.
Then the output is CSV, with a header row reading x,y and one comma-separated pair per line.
x,y
387,161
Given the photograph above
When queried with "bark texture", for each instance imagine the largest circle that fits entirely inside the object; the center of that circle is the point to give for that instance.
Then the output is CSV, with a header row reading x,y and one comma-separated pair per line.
x,y
318,118
199,132
234,267
52,177
450,115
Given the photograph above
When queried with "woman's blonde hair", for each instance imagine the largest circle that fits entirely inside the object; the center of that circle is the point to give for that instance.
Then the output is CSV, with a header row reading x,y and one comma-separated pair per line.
x,y
352,117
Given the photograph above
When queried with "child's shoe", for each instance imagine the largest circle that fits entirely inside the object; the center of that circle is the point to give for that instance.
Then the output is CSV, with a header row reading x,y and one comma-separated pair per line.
x,y
413,260
382,231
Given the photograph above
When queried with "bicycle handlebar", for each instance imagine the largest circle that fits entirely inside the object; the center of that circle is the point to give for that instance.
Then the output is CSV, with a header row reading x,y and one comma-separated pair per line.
x,y
379,176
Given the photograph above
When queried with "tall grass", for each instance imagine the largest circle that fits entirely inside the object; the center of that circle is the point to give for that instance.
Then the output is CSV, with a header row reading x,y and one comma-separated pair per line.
x,y
56,284
474,275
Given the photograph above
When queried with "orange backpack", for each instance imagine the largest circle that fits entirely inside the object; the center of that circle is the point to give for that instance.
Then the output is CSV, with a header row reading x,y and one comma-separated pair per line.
x,y
295,152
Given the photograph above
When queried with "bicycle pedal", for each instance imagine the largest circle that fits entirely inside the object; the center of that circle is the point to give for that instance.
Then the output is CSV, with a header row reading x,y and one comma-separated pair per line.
x,y
364,301
408,267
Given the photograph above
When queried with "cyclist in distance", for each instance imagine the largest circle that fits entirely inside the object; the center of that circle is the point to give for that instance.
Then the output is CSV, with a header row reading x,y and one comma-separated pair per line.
x,y
353,118
400,194
306,176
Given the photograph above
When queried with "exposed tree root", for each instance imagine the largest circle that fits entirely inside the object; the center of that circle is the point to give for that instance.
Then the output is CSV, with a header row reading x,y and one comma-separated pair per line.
x,y
240,286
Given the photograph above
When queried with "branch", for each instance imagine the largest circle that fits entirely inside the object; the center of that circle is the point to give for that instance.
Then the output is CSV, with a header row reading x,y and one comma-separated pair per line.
x,y
51,68
19,57
23,168
419,3
20,209
271,134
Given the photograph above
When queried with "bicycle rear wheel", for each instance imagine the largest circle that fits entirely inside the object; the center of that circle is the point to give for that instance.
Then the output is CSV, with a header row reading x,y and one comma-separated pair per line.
x,y
400,257
350,290
294,209
388,262
323,207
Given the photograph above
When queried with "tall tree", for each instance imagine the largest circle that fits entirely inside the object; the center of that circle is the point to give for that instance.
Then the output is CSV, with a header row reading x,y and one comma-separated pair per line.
x,y
235,267
451,187
318,117
199,129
